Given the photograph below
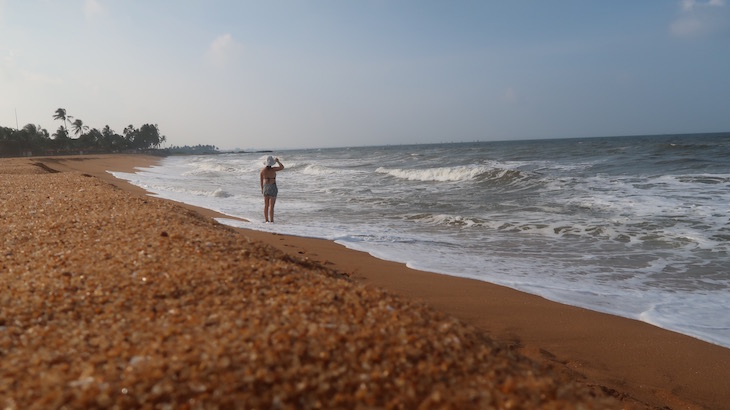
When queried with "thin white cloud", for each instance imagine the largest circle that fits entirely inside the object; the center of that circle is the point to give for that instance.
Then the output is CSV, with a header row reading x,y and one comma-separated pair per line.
x,y
698,18
689,5
92,9
222,50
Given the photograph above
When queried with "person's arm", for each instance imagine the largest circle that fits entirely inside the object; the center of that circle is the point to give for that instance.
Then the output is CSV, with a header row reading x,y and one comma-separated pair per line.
x,y
261,178
281,166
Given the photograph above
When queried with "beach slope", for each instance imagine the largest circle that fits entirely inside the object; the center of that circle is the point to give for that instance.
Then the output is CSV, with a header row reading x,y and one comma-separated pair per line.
x,y
110,298
591,355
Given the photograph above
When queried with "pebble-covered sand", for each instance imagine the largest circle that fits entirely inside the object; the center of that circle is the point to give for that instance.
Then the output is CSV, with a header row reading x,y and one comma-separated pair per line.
x,y
113,300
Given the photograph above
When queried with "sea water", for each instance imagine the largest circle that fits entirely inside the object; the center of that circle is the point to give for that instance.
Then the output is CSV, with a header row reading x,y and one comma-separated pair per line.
x,y
632,226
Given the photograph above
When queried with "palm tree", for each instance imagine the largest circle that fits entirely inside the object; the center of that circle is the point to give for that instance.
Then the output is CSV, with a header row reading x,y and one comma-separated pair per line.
x,y
61,115
79,127
129,135
35,136
61,139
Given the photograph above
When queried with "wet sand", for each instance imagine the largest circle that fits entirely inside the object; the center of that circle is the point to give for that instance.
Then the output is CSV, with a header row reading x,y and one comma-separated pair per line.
x,y
552,353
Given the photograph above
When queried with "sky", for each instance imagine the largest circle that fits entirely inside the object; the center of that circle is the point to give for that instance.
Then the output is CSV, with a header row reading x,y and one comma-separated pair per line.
x,y
314,74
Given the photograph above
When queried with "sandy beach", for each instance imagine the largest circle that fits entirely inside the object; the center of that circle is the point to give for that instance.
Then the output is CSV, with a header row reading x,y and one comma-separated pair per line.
x,y
113,298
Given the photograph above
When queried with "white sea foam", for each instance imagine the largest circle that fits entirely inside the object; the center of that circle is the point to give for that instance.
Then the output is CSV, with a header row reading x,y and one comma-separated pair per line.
x,y
317,170
219,193
443,174
207,169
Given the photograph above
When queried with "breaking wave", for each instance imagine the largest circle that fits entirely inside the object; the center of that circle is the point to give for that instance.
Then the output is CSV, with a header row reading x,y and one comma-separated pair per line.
x,y
454,174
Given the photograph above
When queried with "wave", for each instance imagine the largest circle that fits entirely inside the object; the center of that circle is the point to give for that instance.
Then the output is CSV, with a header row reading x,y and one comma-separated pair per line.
x,y
317,170
454,174
162,189
448,220
321,170
219,193
210,169
707,179
609,234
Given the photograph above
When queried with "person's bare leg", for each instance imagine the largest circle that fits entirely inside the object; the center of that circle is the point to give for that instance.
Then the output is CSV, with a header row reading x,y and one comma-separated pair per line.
x,y
266,207
272,201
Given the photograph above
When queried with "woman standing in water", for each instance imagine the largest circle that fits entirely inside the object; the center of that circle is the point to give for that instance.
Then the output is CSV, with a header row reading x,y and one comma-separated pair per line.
x,y
268,185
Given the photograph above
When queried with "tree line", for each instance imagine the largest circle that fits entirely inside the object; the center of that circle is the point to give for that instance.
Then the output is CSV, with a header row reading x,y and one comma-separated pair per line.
x,y
34,140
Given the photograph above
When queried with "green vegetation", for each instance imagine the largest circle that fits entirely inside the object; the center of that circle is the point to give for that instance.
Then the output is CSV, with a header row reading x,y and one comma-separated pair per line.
x,y
34,140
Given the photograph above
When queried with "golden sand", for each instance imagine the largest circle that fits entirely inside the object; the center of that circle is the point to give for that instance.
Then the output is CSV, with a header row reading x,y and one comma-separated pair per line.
x,y
114,300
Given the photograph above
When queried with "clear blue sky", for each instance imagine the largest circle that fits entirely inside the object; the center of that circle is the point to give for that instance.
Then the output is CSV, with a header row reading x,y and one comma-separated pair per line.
x,y
308,74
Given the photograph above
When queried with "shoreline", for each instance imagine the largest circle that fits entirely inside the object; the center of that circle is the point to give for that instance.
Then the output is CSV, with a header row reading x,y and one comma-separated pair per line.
x,y
634,360
626,356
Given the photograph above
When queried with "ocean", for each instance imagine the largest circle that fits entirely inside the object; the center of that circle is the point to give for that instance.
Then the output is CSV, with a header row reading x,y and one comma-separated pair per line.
x,y
637,227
